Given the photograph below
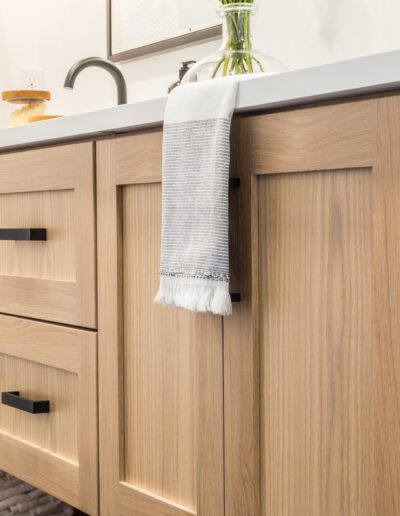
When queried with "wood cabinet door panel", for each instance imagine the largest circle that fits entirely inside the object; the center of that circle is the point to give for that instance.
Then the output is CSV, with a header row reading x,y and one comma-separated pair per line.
x,y
161,374
324,253
316,331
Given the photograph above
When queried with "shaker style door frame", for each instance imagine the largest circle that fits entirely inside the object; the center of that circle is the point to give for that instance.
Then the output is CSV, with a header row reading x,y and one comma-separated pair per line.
x,y
311,355
161,433
159,46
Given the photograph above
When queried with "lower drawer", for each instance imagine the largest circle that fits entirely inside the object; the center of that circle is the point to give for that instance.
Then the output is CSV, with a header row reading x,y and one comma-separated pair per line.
x,y
54,451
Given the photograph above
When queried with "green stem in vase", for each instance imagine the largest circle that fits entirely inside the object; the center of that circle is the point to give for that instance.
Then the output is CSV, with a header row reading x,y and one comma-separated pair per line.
x,y
247,43
238,57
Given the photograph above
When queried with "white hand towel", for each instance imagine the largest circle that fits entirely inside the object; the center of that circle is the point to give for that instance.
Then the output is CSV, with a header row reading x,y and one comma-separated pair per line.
x,y
194,272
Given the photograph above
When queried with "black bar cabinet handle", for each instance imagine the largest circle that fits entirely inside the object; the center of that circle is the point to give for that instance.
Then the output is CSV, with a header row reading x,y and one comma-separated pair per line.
x,y
234,182
14,400
25,234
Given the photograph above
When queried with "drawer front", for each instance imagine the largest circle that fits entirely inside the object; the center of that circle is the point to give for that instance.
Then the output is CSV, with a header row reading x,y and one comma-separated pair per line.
x,y
56,450
48,274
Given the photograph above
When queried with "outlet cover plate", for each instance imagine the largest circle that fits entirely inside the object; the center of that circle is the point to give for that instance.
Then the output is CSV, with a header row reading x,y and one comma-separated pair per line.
x,y
31,78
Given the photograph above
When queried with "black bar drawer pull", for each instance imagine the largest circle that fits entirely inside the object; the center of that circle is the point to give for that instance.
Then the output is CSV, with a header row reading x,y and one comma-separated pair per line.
x,y
24,234
14,400
234,182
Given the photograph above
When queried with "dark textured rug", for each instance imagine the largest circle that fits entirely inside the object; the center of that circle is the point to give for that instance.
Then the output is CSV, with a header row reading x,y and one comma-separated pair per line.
x,y
21,499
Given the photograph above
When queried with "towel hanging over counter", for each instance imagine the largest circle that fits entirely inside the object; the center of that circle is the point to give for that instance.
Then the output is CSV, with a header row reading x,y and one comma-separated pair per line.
x,y
194,272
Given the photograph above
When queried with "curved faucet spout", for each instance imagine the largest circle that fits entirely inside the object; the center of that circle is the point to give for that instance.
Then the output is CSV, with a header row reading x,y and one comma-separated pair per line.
x,y
101,63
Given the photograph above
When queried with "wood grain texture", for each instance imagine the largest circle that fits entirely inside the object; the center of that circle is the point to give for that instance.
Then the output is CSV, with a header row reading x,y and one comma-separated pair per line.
x,y
138,158
241,346
160,435
316,310
49,300
56,452
147,503
53,189
328,293
52,347
328,137
51,260
38,382
88,424
386,226
46,471
110,325
161,413
39,170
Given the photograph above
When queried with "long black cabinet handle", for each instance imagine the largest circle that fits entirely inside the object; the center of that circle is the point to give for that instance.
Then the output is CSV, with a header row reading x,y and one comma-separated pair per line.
x,y
234,182
236,297
14,400
25,234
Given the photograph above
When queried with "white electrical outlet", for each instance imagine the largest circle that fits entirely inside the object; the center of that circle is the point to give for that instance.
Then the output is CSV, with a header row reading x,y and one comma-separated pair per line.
x,y
31,78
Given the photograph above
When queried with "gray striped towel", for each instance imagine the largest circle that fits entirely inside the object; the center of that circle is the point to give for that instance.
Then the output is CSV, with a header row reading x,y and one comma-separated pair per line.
x,y
194,272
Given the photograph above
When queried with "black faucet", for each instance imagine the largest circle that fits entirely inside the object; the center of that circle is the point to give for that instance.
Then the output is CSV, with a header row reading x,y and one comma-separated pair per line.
x,y
101,63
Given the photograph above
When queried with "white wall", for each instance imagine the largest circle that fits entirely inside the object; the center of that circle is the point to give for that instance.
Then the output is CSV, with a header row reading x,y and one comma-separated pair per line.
x,y
53,34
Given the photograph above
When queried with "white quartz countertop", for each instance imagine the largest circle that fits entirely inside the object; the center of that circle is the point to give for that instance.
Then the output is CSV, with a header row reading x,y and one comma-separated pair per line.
x,y
365,75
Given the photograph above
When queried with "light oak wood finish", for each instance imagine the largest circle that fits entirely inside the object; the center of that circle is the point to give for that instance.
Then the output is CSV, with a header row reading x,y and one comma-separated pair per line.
x,y
146,155
316,336
330,137
288,408
161,409
325,221
241,347
386,261
55,452
52,280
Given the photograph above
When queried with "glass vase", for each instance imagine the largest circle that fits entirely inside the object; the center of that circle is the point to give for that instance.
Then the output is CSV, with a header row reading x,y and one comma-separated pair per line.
x,y
236,56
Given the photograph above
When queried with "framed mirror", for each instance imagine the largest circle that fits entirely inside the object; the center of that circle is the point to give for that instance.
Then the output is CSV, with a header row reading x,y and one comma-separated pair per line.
x,y
140,27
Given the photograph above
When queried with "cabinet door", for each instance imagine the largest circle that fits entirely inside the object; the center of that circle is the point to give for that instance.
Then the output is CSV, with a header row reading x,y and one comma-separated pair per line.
x,y
51,277
161,374
325,190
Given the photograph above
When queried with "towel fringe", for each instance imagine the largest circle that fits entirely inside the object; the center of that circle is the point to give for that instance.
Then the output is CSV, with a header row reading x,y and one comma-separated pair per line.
x,y
195,294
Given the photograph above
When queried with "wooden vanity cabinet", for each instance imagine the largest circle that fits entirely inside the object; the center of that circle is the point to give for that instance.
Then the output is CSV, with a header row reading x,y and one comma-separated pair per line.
x,y
290,407
160,369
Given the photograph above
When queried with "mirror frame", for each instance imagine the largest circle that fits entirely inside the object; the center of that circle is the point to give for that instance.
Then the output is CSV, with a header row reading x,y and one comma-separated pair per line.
x,y
159,46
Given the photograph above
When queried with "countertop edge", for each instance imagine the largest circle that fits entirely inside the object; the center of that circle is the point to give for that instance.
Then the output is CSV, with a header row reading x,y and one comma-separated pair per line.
x,y
361,76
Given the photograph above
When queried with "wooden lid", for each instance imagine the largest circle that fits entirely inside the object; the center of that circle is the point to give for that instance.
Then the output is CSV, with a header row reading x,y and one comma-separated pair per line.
x,y
25,96
40,118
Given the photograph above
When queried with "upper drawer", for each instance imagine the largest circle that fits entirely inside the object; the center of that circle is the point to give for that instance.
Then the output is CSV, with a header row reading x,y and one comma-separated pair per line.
x,y
52,279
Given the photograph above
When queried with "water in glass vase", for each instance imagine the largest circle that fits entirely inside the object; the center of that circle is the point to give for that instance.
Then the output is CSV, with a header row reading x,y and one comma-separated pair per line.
x,y
236,56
